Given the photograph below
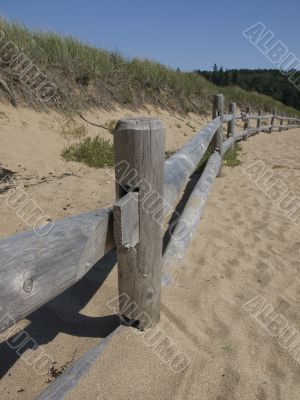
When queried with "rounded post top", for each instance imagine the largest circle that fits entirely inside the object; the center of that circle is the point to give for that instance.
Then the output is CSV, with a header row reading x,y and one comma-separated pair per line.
x,y
232,107
139,124
218,102
218,98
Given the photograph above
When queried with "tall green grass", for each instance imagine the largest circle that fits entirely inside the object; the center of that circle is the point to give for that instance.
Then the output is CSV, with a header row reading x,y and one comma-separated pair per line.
x,y
88,76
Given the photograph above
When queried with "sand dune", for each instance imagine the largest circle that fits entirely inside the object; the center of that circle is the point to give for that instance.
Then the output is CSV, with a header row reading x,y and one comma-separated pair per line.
x,y
245,246
31,144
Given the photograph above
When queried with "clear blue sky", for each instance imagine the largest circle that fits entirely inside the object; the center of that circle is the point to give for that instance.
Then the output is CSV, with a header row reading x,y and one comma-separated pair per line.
x,y
187,34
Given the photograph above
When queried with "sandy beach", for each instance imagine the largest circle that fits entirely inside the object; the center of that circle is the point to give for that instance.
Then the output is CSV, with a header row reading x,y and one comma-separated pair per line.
x,y
246,247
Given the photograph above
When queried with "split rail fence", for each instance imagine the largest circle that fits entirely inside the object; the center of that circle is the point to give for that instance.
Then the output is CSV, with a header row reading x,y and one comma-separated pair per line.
x,y
35,269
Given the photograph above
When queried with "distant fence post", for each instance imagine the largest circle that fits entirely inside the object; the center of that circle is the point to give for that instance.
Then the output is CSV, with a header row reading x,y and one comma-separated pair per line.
x,y
288,123
281,123
273,121
139,158
231,124
217,141
247,121
258,121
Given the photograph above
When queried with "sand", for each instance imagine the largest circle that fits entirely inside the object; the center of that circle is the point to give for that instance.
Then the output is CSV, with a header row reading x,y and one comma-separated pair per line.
x,y
245,247
31,144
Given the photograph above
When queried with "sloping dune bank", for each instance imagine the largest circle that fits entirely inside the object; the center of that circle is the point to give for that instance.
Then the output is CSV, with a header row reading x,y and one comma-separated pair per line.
x,y
242,272
31,144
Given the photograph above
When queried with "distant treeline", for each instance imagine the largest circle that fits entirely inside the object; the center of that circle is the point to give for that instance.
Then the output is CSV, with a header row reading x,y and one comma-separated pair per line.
x,y
266,81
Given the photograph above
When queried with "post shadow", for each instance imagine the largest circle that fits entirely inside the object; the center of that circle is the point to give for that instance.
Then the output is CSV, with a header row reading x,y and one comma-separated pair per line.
x,y
62,314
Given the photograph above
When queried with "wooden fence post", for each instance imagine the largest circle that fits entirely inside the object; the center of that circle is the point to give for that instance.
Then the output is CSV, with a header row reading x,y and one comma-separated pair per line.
x,y
258,121
281,123
231,124
288,123
139,159
247,122
273,121
217,141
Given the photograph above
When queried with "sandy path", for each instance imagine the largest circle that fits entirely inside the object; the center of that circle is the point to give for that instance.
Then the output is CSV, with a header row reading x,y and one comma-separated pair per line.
x,y
244,247
31,144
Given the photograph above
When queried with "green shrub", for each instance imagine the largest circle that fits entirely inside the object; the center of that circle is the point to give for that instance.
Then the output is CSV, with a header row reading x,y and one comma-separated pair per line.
x,y
96,152
231,158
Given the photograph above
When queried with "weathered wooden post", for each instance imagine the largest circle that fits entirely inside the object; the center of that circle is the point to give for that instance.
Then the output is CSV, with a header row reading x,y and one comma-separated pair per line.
x,y
139,158
217,141
247,121
258,121
288,123
281,123
273,121
231,124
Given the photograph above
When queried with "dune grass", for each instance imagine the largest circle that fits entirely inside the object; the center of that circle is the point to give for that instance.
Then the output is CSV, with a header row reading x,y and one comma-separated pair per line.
x,y
87,76
231,158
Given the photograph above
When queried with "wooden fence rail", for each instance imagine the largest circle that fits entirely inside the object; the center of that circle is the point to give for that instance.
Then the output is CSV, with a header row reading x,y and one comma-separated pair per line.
x,y
35,269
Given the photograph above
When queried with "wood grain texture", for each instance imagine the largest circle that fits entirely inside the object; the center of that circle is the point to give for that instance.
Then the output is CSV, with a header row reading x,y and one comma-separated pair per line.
x,y
228,144
34,269
217,141
126,221
247,123
231,123
262,117
190,217
248,132
183,163
272,121
140,144
51,263
258,121
281,127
